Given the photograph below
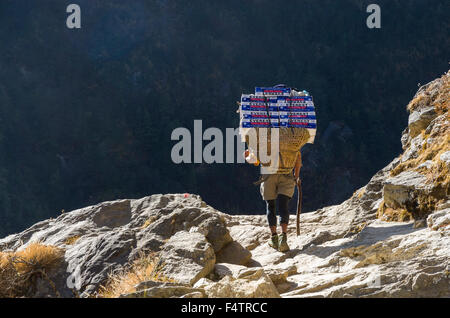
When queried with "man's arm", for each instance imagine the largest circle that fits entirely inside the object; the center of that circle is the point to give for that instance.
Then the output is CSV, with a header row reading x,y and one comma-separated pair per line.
x,y
298,165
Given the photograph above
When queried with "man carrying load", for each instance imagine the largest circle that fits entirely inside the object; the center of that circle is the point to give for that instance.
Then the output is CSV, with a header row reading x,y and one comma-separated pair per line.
x,y
290,116
278,188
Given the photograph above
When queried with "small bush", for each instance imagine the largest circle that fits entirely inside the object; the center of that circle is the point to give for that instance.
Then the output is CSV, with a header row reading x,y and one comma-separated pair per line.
x,y
145,268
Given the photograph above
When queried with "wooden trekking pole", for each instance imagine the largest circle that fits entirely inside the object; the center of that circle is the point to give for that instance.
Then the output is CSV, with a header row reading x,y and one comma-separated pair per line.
x,y
299,204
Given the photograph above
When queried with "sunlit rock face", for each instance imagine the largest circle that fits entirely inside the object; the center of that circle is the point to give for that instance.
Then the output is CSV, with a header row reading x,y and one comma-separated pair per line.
x,y
390,239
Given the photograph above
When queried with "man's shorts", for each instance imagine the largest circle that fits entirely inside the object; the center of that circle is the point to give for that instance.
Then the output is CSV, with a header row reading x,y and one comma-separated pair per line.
x,y
275,184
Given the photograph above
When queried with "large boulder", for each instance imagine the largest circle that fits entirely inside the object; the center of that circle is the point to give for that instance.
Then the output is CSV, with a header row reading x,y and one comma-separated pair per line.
x,y
249,236
401,193
186,258
203,220
101,239
412,192
94,259
420,119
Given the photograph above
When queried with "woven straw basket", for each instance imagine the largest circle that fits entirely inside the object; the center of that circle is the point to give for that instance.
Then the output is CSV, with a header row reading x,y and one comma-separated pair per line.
x,y
291,140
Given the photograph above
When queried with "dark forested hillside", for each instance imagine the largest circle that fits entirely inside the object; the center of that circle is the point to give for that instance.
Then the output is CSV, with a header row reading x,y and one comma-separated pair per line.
x,y
86,115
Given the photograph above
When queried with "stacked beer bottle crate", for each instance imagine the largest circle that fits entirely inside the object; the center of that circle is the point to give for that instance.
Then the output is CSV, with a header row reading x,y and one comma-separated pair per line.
x,y
278,107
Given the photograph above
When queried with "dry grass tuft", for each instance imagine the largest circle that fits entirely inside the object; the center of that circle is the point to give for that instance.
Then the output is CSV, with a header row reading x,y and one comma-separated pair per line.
x,y
439,142
361,193
387,214
71,240
436,142
145,268
149,221
20,270
431,152
417,102
437,173
441,101
356,229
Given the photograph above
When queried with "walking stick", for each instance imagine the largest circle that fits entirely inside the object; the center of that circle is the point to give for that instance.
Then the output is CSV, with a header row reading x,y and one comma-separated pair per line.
x,y
299,204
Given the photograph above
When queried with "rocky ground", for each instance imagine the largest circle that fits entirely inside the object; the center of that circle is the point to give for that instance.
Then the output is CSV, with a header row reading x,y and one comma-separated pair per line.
x,y
390,239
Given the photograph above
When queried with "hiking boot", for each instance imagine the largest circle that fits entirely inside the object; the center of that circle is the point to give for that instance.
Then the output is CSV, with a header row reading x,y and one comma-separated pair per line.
x,y
283,245
273,242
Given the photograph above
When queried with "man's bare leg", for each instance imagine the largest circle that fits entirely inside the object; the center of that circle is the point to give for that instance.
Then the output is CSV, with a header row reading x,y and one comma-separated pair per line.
x,y
273,230
284,228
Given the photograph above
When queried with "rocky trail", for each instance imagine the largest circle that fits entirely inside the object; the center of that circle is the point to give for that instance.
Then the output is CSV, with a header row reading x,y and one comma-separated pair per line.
x,y
390,239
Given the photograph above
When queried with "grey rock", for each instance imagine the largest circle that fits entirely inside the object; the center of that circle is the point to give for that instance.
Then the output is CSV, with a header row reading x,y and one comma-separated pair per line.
x,y
279,274
99,257
431,285
113,214
427,164
412,150
443,205
234,253
203,282
342,250
187,257
420,223
256,284
401,190
100,240
439,219
204,220
249,236
405,138
420,119
223,269
445,157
